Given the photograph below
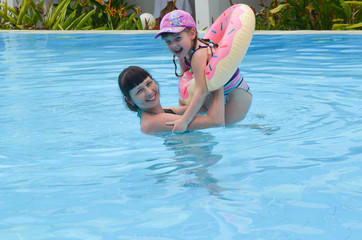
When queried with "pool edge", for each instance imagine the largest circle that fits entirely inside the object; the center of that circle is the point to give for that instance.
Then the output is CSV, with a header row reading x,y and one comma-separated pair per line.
x,y
257,32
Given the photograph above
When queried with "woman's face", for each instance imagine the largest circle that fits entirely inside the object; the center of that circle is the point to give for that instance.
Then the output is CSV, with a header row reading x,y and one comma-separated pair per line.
x,y
180,44
145,95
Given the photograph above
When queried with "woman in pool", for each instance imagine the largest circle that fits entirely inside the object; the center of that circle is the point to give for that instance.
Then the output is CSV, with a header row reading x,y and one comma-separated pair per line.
x,y
141,94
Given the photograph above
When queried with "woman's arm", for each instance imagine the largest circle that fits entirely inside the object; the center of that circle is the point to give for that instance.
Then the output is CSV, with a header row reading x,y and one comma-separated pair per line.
x,y
216,114
163,122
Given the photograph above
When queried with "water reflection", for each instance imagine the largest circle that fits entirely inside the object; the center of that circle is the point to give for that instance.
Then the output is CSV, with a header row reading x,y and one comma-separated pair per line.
x,y
193,156
261,124
263,128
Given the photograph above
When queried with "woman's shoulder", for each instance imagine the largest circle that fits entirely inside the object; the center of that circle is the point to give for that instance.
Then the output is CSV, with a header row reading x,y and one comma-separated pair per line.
x,y
155,123
148,122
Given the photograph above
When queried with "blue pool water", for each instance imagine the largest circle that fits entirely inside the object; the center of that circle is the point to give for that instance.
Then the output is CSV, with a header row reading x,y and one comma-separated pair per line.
x,y
74,164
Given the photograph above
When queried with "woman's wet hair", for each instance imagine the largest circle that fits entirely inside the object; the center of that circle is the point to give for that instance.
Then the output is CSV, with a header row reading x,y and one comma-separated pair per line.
x,y
130,78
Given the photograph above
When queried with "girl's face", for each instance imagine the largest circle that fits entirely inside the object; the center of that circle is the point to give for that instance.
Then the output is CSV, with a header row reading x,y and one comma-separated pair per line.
x,y
145,95
180,44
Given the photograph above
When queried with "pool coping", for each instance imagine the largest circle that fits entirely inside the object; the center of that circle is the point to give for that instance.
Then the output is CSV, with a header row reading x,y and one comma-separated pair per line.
x,y
257,32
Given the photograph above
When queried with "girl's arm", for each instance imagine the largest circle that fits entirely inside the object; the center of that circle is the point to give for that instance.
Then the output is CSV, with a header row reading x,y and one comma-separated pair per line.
x,y
162,122
183,69
198,62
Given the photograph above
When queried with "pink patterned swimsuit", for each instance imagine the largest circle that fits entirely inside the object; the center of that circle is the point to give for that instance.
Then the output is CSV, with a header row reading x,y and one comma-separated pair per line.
x,y
236,81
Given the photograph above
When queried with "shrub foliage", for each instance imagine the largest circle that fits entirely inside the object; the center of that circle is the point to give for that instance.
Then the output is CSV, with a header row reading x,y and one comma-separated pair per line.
x,y
71,15
117,15
310,15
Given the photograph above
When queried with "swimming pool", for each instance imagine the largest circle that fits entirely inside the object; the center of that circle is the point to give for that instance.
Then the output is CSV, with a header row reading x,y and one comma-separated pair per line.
x,y
74,164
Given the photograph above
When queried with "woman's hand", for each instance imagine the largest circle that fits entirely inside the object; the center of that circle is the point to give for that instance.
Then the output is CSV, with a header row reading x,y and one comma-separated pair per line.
x,y
179,125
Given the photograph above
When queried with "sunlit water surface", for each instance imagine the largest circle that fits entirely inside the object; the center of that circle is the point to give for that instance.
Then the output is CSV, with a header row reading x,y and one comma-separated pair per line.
x,y
74,164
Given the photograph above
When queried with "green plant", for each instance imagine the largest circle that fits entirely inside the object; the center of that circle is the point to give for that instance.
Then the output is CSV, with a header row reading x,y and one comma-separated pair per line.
x,y
353,10
68,16
25,17
71,15
309,15
113,15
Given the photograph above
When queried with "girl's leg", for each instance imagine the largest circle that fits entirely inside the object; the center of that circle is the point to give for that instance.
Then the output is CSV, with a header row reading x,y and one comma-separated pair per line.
x,y
237,106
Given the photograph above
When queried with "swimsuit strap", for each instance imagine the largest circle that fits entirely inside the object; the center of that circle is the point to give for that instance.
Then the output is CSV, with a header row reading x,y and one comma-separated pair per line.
x,y
169,110
139,112
166,110
192,53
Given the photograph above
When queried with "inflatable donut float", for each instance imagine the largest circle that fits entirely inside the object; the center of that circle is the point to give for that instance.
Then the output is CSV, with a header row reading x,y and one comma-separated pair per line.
x,y
232,31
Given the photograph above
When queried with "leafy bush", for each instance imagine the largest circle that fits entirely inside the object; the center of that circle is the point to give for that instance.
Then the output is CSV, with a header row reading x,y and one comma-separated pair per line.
x,y
71,15
25,17
113,15
310,15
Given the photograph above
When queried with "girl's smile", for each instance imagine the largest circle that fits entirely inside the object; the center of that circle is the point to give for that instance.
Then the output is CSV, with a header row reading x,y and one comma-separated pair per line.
x,y
179,44
178,52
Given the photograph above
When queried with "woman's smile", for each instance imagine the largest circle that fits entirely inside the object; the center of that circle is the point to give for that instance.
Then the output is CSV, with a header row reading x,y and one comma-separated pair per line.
x,y
146,94
152,98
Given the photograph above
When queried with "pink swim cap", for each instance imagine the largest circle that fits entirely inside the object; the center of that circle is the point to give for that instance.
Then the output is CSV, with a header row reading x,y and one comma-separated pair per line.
x,y
175,22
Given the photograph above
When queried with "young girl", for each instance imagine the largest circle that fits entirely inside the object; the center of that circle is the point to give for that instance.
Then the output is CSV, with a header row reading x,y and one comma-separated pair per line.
x,y
178,30
142,95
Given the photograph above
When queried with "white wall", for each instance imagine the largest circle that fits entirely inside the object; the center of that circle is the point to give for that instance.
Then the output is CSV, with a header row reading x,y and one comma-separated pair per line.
x,y
207,11
147,6
218,6
203,11
11,3
14,3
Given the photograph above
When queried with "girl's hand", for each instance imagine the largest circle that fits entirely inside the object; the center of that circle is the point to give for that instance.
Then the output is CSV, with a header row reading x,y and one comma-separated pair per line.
x,y
179,125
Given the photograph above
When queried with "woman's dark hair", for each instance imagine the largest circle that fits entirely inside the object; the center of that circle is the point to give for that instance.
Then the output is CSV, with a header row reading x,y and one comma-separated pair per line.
x,y
128,79
193,47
